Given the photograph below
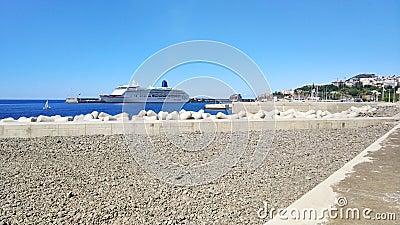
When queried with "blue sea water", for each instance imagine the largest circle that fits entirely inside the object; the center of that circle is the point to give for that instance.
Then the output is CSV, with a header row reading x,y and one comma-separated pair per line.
x,y
34,108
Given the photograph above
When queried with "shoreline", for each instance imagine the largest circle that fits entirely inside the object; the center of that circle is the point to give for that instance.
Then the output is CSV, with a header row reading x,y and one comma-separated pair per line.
x,y
152,123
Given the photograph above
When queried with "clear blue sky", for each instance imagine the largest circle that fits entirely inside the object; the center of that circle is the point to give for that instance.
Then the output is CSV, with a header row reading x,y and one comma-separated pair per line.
x,y
55,49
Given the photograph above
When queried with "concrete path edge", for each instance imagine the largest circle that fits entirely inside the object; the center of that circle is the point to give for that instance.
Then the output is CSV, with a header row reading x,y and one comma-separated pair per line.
x,y
322,196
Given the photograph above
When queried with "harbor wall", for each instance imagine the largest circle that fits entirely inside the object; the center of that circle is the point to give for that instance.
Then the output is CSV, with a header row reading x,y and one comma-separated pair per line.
x,y
332,107
30,130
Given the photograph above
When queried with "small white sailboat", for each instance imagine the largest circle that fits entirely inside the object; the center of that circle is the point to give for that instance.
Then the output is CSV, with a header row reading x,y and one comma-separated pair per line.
x,y
46,106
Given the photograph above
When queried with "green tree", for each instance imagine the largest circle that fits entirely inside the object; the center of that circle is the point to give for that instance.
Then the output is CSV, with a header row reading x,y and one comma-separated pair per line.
x,y
354,92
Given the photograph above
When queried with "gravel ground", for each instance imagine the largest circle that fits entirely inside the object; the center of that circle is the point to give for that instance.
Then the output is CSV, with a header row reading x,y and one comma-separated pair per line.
x,y
94,179
383,111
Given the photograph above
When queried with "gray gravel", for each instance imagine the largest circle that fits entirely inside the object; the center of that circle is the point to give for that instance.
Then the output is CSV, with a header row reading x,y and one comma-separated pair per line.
x,y
94,179
386,111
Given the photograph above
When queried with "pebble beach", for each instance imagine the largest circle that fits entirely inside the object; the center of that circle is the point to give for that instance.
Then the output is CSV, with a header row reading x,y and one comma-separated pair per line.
x,y
95,179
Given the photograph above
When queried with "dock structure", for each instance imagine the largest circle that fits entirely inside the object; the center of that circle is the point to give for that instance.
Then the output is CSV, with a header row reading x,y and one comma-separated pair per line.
x,y
98,100
214,103
218,106
83,100
210,100
71,100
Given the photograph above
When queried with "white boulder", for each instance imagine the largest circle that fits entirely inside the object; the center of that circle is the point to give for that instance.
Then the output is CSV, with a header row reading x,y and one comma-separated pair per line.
x,y
353,114
329,116
233,116
354,109
88,117
205,115
197,115
42,118
270,114
95,114
289,116
103,114
260,114
173,116
109,118
250,115
256,117
79,117
221,115
151,113
142,113
62,119
121,115
310,112
162,115
311,116
300,115
7,120
150,118
372,111
185,115
242,113
25,120
123,118
136,118
287,112
319,113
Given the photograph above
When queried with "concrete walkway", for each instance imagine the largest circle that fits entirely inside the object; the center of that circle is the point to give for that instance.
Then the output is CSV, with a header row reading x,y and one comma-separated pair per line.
x,y
375,185
368,184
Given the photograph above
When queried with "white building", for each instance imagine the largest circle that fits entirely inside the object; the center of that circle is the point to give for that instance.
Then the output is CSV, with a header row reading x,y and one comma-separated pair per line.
x,y
287,92
391,81
367,81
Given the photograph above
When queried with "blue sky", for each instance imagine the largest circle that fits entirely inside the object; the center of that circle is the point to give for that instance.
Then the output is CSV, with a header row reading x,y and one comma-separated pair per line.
x,y
55,49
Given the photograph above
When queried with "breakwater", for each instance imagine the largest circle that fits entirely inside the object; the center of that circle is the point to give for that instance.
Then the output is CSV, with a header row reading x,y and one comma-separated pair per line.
x,y
151,123
150,115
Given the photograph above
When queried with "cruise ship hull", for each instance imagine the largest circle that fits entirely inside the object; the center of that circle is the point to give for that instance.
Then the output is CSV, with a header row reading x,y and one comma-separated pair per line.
x,y
135,94
120,99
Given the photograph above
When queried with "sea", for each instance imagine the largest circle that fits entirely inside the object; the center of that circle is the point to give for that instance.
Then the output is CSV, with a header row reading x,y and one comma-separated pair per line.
x,y
34,108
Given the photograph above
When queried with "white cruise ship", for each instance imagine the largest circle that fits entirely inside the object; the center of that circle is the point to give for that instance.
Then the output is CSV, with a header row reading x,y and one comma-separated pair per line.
x,y
133,93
